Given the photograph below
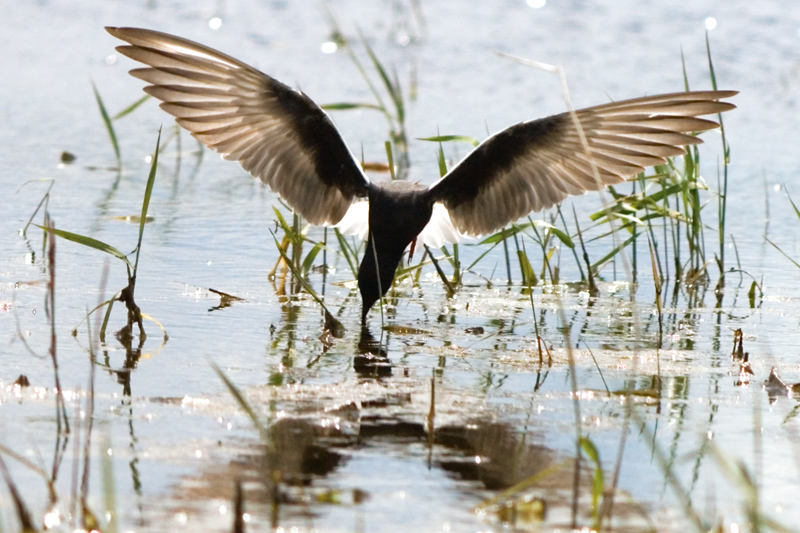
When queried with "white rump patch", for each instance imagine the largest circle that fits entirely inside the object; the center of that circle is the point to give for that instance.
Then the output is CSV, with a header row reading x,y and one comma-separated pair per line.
x,y
440,230
356,220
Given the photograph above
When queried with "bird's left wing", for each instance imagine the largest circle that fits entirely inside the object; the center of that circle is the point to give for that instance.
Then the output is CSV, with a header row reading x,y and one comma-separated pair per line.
x,y
276,133
534,165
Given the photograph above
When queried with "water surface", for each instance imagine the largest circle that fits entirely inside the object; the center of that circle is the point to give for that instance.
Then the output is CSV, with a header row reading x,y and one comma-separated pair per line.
x,y
178,438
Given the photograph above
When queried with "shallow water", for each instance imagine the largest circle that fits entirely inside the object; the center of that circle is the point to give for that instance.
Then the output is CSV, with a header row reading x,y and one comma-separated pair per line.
x,y
344,422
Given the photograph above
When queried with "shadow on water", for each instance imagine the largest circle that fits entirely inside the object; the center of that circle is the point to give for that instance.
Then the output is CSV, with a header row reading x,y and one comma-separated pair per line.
x,y
320,466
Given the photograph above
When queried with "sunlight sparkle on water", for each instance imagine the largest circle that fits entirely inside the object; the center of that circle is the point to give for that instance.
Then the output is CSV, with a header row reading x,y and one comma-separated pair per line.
x,y
215,23
710,23
52,519
329,47
536,4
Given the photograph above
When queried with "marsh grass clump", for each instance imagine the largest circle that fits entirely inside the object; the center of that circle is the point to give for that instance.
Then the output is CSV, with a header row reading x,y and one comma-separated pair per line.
x,y
332,325
394,112
108,120
127,294
665,205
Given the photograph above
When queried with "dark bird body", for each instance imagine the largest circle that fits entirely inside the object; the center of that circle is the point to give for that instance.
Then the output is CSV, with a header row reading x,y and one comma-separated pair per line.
x,y
282,137
398,212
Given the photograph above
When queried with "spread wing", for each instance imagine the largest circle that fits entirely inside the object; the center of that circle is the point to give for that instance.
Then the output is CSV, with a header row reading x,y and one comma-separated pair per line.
x,y
276,133
534,165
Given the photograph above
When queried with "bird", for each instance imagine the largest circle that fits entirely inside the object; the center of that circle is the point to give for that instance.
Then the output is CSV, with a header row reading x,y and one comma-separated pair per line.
x,y
282,137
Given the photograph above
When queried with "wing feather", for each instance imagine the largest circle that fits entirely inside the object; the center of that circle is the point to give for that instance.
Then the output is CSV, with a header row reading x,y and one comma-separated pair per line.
x,y
534,165
277,134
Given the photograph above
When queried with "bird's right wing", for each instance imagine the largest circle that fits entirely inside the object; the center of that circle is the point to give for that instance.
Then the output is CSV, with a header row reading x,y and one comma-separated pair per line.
x,y
277,134
534,165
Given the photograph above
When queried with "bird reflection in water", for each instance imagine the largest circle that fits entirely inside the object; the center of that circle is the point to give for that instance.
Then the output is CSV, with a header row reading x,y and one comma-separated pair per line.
x,y
372,358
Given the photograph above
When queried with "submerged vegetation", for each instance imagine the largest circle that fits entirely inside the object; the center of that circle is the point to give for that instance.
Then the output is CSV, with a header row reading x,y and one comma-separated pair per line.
x,y
661,216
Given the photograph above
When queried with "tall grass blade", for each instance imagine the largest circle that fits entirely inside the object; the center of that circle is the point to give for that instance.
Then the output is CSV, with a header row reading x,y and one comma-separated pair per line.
x,y
337,329
297,240
350,52
723,196
796,211
560,234
598,482
44,201
346,106
610,255
573,248
349,254
390,87
589,270
390,158
243,403
503,234
528,275
148,192
484,254
451,138
305,268
397,97
287,229
506,255
456,262
109,492
131,108
447,284
23,515
670,477
109,126
87,241
440,159
106,318
782,252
